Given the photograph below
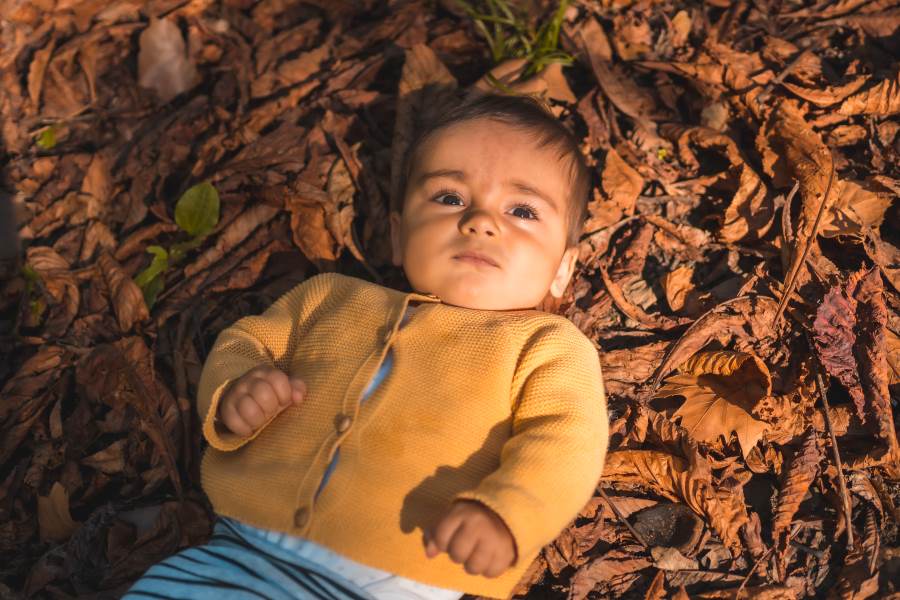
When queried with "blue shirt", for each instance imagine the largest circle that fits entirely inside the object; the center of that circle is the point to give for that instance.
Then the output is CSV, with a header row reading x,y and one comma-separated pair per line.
x,y
383,370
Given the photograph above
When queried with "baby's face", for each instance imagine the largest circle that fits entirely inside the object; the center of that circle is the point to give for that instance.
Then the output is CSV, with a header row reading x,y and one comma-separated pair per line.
x,y
485,187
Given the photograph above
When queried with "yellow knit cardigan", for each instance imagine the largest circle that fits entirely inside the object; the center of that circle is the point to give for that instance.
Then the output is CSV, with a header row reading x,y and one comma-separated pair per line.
x,y
502,407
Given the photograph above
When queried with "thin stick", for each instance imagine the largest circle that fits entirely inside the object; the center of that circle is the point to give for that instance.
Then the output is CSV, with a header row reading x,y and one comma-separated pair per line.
x,y
619,516
761,97
759,560
845,496
792,275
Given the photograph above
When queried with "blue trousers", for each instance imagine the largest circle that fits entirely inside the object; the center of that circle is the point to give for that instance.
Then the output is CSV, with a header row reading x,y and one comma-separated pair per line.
x,y
241,562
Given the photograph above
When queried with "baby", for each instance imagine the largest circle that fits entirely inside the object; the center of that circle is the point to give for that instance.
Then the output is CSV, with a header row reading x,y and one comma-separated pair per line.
x,y
372,443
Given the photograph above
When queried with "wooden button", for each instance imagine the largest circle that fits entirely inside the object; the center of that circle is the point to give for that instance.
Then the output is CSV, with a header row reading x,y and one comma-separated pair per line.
x,y
301,517
343,423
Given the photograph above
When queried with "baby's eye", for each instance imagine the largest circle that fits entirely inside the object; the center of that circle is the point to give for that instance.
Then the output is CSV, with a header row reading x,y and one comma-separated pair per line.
x,y
528,210
447,195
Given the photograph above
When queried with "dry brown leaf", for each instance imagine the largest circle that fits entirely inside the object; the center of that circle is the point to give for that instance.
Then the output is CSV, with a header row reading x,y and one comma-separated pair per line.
x,y
126,297
860,206
25,396
657,589
892,350
800,474
36,72
720,391
110,460
855,581
751,211
882,99
828,95
632,37
425,89
603,569
756,592
812,165
62,295
620,182
237,231
53,515
849,334
674,478
670,559
723,323
677,284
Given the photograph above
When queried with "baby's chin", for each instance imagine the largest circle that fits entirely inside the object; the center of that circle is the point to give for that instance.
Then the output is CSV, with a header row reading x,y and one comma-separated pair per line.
x,y
479,300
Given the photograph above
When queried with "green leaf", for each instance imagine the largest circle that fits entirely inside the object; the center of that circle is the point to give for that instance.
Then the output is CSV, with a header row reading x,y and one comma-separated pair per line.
x,y
179,250
197,211
159,264
47,139
37,308
153,289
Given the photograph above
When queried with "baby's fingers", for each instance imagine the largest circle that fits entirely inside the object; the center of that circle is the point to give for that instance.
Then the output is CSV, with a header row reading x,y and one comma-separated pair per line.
x,y
281,386
480,559
264,393
233,420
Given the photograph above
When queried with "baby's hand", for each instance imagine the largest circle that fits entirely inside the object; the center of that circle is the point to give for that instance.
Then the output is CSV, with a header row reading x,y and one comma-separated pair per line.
x,y
473,534
255,397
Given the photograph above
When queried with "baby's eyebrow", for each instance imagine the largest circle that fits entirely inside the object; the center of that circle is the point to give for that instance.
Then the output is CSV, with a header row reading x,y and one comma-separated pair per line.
x,y
521,186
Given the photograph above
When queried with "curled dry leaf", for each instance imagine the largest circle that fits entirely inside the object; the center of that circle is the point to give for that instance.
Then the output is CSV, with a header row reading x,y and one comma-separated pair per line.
x,y
605,568
62,295
859,207
425,89
812,165
720,390
127,298
751,210
677,284
722,323
828,95
855,581
882,99
620,182
799,476
53,515
673,478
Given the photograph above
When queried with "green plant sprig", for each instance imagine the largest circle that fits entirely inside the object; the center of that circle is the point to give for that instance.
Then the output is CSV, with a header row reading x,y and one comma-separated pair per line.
x,y
513,37
197,214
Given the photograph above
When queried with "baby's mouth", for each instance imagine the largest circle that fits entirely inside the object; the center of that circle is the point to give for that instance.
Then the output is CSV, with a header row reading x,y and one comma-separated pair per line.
x,y
476,258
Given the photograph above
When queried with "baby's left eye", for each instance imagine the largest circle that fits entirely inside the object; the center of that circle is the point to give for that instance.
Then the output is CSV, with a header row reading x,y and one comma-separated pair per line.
x,y
527,209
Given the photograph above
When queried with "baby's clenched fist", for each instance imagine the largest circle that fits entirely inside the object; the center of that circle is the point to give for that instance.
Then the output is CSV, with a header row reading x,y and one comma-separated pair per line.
x,y
472,534
257,396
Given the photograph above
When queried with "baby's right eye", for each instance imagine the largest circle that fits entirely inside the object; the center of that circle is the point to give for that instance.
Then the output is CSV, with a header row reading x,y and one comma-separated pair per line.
x,y
441,195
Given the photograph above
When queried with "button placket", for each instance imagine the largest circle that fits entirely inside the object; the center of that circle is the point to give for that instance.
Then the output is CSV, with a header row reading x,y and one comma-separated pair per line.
x,y
343,422
301,517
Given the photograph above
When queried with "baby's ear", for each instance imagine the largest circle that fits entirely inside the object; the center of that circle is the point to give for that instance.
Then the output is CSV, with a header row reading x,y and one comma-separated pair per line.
x,y
396,253
564,272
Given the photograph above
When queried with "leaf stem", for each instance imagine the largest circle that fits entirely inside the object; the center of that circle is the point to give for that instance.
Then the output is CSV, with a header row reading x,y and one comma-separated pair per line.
x,y
845,496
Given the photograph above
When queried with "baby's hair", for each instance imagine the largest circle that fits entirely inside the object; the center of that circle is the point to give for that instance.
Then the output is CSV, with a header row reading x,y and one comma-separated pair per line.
x,y
530,115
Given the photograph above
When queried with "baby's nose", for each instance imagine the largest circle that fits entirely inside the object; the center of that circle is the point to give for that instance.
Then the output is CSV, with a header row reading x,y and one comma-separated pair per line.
x,y
479,222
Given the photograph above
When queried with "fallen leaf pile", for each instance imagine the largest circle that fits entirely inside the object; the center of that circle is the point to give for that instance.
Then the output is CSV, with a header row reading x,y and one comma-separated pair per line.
x,y
739,270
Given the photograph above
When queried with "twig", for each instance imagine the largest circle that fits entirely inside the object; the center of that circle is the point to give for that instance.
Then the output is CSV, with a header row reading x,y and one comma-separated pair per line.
x,y
761,97
791,279
845,496
619,516
759,560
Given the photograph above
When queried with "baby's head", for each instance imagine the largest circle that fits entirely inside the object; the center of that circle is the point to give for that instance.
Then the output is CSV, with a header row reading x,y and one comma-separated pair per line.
x,y
500,177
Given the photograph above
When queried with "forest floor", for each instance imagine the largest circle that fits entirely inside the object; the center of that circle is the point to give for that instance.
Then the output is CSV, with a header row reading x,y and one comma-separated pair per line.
x,y
739,272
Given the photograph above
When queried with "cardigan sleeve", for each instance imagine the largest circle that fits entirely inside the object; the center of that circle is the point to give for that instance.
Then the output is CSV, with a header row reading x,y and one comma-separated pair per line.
x,y
552,462
267,339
